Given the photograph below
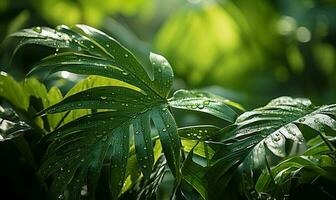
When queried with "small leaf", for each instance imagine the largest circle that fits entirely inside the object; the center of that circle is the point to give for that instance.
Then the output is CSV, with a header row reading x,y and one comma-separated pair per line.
x,y
12,91
10,125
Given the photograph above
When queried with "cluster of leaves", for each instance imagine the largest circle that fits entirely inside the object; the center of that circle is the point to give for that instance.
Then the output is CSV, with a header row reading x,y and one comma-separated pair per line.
x,y
110,128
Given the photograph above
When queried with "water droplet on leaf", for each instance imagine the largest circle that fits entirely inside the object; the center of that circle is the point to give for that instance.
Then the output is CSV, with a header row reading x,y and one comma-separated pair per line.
x,y
200,106
37,29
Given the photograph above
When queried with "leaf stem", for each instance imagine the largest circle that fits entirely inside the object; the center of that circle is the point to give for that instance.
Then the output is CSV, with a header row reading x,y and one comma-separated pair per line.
x,y
326,141
62,120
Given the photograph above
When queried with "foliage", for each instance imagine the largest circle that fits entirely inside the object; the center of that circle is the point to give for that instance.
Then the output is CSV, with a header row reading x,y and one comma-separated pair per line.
x,y
104,138
317,163
256,133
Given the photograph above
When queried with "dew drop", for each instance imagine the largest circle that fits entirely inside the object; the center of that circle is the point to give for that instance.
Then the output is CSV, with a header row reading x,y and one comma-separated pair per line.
x,y
126,55
82,160
3,73
164,129
37,29
200,106
206,103
92,46
103,97
107,45
125,73
193,106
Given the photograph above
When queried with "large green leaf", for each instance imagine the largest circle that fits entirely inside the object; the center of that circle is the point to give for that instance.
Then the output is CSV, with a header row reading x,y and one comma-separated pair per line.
x,y
245,144
79,148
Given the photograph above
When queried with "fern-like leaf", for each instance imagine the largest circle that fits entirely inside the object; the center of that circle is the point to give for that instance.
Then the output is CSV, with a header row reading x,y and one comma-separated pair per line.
x,y
80,148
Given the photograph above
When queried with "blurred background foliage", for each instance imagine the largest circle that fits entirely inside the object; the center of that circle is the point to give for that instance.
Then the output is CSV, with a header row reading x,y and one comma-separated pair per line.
x,y
253,51
247,51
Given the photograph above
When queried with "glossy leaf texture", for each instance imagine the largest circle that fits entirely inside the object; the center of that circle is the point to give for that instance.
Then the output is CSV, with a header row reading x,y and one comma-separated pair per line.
x,y
10,124
206,102
244,145
316,163
79,149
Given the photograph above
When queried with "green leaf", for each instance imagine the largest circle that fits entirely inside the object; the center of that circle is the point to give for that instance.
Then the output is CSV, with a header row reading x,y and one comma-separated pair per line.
x,y
143,144
18,94
125,105
170,141
205,102
245,142
10,125
87,83
312,165
194,174
92,52
133,173
12,91
149,187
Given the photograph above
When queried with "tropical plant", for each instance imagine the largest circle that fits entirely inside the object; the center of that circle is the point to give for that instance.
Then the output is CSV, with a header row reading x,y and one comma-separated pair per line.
x,y
104,138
